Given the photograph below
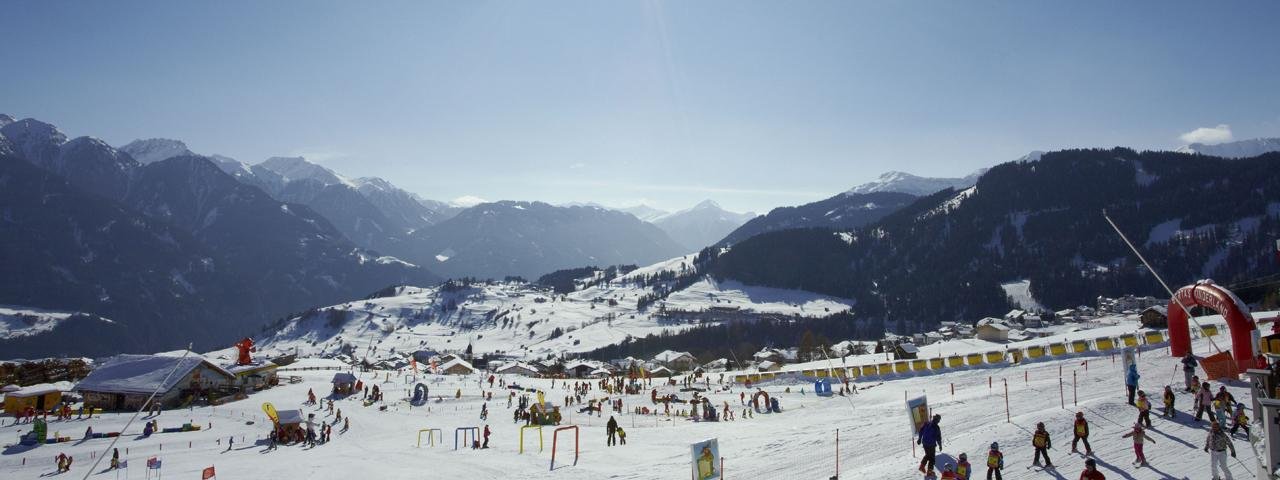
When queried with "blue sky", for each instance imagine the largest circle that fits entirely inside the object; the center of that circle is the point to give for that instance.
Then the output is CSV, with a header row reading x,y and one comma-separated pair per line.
x,y
753,104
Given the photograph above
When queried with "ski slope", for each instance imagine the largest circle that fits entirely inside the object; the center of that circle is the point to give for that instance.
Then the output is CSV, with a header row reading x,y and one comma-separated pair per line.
x,y
875,440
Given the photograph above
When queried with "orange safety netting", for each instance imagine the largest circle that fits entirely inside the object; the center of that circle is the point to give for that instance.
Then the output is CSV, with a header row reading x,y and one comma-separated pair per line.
x,y
1220,365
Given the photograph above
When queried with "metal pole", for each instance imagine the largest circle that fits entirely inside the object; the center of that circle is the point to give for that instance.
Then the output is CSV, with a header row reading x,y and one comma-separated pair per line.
x,y
1158,278
1007,417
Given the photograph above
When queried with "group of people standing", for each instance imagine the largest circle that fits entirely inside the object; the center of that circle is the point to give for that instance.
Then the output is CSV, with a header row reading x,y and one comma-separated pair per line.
x,y
1221,408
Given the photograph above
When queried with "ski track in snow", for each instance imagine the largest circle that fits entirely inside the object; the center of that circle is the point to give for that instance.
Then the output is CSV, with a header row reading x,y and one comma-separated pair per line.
x,y
798,443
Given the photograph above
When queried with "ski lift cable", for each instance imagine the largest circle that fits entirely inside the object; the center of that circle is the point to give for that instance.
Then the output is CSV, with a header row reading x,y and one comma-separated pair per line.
x,y
139,412
1158,278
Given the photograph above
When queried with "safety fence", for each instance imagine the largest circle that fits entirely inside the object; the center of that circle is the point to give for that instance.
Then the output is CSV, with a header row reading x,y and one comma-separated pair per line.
x,y
995,358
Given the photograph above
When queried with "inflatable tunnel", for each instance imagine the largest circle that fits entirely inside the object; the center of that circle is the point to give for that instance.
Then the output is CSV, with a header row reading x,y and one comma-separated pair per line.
x,y
420,394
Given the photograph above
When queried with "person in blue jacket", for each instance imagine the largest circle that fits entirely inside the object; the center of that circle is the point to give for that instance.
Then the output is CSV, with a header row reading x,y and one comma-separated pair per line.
x,y
1131,381
931,438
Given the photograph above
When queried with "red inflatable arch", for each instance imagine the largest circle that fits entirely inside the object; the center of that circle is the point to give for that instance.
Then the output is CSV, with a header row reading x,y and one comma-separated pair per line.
x,y
1244,332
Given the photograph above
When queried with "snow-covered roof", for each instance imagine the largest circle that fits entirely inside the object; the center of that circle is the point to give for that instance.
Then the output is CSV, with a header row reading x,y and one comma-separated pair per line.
x,y
574,365
516,365
34,390
144,373
238,369
1158,309
456,362
995,323
671,356
289,416
767,353
10,388
344,377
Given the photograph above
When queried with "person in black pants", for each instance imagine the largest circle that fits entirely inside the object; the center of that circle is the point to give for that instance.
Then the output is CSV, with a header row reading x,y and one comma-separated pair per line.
x,y
931,438
612,429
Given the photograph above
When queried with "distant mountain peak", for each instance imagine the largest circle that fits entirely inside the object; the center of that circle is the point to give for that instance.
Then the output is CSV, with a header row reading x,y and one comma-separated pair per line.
x,y
707,204
644,212
5,119
153,150
29,129
299,168
1238,149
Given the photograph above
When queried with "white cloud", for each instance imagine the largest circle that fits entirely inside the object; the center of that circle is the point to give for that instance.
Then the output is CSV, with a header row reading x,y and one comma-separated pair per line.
x,y
468,201
577,166
1208,135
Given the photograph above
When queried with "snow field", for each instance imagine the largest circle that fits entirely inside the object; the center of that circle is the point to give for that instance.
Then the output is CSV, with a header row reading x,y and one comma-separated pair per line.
x,y
798,443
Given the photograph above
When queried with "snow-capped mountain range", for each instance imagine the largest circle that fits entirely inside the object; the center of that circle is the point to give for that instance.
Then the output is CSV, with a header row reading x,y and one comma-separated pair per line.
x,y
1239,149
702,225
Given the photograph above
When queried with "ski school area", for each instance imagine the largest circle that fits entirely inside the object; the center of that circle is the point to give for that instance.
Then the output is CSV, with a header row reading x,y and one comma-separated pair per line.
x,y
868,431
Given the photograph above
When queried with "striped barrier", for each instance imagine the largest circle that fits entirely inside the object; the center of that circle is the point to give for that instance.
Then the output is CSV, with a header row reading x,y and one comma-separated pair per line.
x,y
1012,355
1080,346
973,359
1057,349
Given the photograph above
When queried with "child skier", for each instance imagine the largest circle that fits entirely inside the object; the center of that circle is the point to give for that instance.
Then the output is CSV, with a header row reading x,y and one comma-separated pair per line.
x,y
1204,401
1144,408
963,469
948,472
1091,471
622,436
1040,440
1081,432
1241,420
1139,436
995,461
1168,402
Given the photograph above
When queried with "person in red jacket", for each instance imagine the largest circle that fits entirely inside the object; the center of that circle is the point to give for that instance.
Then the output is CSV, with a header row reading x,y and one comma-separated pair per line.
x,y
1081,433
948,472
1091,471
486,437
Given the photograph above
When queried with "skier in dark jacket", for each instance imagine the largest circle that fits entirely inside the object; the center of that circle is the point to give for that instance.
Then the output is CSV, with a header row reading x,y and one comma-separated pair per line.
x,y
931,438
612,429
1040,440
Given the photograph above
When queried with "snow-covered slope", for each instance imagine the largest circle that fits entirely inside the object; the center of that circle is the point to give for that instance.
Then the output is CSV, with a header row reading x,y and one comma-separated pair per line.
x,y
1239,149
25,321
523,319
155,149
298,168
903,182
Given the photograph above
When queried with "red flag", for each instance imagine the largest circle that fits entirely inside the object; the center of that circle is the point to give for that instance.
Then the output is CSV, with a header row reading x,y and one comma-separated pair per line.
x,y
208,473
414,361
